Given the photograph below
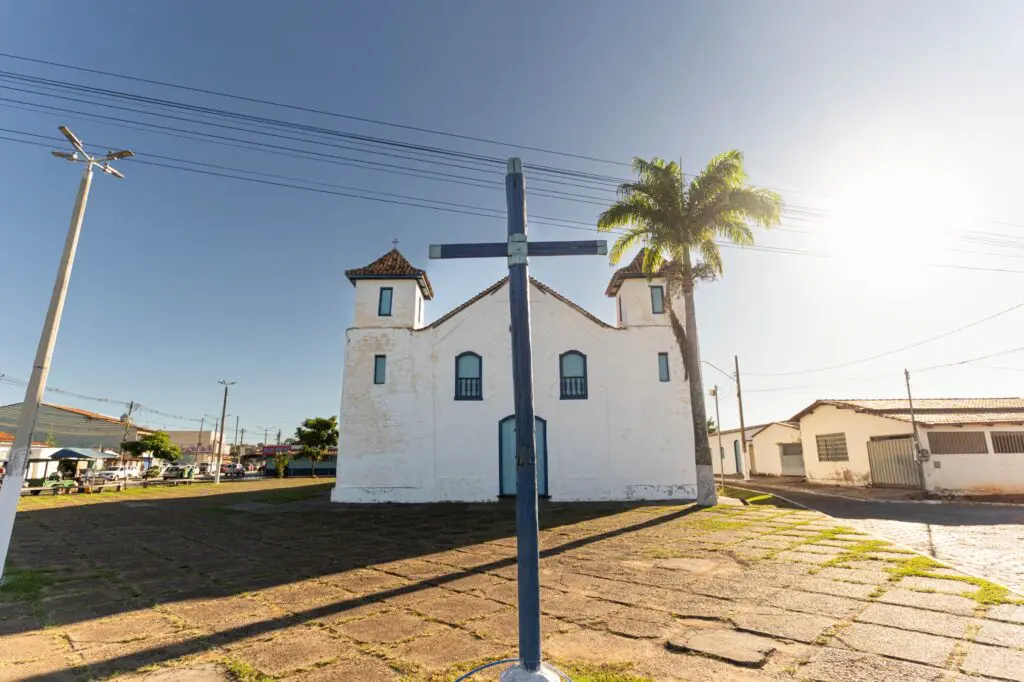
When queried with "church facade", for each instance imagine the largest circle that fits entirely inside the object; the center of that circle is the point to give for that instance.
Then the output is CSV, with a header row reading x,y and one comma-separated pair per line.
x,y
427,409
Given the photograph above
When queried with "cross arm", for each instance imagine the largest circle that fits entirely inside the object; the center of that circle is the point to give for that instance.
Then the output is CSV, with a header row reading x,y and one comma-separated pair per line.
x,y
597,247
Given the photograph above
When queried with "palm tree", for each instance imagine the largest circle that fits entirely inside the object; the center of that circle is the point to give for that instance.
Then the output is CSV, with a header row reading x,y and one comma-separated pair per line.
x,y
316,435
671,219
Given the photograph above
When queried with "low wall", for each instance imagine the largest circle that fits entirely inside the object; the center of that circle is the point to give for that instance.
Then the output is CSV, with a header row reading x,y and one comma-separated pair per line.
x,y
981,474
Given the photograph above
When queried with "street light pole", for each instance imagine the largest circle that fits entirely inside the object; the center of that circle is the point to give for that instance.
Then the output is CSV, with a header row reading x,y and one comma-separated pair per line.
x,y
718,430
223,416
11,490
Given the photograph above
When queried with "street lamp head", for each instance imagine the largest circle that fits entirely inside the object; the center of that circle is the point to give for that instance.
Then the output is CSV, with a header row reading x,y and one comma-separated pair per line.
x,y
123,154
109,170
75,142
65,155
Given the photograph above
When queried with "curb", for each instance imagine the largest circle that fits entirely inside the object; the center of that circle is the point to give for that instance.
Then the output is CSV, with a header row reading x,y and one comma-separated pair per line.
x,y
891,542
874,501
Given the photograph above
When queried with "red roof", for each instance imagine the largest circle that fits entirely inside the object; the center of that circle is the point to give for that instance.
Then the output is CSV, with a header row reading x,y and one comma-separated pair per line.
x,y
9,438
635,270
392,265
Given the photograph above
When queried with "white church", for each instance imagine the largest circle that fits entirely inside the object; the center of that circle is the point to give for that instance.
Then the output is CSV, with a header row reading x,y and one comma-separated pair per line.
x,y
427,409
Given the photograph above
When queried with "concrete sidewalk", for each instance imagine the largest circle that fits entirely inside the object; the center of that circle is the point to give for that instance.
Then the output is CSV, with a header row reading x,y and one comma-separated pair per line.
x,y
798,484
311,591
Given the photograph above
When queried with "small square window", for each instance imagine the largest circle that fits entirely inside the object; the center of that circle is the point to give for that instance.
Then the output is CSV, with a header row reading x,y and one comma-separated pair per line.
x,y
662,366
384,303
658,300
380,368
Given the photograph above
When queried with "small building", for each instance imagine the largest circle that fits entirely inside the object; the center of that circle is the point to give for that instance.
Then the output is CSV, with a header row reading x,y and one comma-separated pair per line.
x,y
779,450
75,428
299,465
971,445
427,409
731,456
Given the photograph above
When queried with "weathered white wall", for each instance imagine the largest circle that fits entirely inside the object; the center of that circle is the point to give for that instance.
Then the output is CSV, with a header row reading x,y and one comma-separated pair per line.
x,y
766,445
410,441
405,303
859,428
729,438
988,474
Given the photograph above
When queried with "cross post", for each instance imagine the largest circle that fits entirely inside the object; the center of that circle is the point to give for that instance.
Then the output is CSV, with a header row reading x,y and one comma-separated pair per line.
x,y
517,249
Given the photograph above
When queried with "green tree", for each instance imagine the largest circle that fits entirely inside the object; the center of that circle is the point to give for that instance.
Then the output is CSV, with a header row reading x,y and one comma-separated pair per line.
x,y
712,426
316,435
673,219
51,440
158,444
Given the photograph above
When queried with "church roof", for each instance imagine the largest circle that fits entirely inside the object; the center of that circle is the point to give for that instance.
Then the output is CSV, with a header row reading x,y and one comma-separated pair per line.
x,y
635,270
502,282
392,265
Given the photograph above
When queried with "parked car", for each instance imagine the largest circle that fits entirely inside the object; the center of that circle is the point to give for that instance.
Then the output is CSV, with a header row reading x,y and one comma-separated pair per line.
x,y
204,468
233,471
173,472
116,474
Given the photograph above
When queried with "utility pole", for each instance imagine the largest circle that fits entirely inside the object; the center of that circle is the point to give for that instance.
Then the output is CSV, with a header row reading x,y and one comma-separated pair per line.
x,y
914,439
718,430
199,441
22,445
236,429
124,437
279,436
743,432
223,416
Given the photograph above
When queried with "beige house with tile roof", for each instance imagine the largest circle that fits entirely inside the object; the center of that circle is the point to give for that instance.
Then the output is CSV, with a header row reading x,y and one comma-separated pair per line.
x,y
427,409
971,445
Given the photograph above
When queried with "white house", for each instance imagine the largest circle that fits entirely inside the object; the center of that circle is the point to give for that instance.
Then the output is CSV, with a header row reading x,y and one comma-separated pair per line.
x,y
427,409
973,445
779,450
730,457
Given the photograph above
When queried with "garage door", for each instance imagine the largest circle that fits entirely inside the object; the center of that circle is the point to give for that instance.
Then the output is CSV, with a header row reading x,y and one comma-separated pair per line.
x,y
792,455
892,463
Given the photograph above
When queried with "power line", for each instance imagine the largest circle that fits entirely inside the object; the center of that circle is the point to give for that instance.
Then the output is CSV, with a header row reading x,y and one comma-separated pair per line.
x,y
964,362
895,350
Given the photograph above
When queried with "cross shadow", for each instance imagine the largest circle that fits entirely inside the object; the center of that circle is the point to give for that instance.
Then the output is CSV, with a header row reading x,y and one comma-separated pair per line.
x,y
152,552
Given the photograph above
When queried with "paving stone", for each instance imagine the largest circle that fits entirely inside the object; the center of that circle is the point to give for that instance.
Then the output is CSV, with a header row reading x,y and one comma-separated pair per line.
x,y
456,608
200,672
295,648
123,628
803,557
223,614
908,618
362,668
854,575
640,623
1001,634
1004,664
946,603
916,582
829,550
902,644
779,623
448,647
813,602
835,587
577,608
840,665
503,627
1011,613
22,648
389,627
740,648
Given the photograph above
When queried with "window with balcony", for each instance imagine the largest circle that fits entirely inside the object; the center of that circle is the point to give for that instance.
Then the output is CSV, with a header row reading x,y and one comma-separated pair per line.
x,y
469,377
573,370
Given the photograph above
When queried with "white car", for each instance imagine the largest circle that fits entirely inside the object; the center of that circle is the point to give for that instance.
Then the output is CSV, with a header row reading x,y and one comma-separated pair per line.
x,y
116,474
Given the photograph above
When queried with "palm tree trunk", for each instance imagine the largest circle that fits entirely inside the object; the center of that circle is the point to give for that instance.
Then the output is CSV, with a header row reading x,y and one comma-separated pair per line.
x,y
702,447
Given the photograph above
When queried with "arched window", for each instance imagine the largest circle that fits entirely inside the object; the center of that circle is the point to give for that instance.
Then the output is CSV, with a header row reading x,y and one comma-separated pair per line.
x,y
469,376
573,369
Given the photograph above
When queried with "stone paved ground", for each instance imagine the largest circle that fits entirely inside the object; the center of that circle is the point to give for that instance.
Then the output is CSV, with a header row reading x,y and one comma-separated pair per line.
x,y
984,539
254,582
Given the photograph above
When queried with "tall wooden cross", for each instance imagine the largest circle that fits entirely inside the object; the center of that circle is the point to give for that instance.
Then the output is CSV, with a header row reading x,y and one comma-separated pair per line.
x,y
517,249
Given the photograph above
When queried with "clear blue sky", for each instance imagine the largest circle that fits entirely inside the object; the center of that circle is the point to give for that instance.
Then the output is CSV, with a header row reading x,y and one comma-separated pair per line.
x,y
901,120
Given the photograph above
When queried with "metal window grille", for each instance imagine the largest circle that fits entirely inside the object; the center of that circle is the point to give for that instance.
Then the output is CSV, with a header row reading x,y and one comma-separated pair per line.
x,y
957,443
832,447
573,368
1006,442
468,373
791,448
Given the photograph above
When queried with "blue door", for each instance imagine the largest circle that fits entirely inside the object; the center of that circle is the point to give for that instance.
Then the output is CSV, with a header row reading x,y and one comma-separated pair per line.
x,y
507,456
739,457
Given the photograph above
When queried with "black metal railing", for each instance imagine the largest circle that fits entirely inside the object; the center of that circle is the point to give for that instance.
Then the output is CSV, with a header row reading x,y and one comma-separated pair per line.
x,y
574,388
469,389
